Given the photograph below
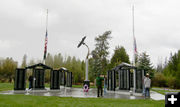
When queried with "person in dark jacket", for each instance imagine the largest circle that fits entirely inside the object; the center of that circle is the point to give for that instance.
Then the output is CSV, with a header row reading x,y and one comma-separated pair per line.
x,y
30,81
99,85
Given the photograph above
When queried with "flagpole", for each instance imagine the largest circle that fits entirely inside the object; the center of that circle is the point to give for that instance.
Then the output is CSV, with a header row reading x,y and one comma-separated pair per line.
x,y
45,49
133,30
134,56
47,21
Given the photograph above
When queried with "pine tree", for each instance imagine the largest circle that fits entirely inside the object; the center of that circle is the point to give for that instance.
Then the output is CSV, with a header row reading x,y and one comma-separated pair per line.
x,y
100,53
172,69
24,63
49,60
144,62
119,56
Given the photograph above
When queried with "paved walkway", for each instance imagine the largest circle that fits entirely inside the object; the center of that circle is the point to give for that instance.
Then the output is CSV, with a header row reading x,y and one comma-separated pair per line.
x,y
167,89
157,96
78,92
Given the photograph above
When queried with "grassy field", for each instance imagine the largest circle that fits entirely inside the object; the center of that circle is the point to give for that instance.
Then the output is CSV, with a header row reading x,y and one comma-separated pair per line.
x,y
6,86
53,101
10,86
44,101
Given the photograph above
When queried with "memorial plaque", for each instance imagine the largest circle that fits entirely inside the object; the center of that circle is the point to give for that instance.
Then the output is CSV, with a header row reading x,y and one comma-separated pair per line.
x,y
20,78
55,79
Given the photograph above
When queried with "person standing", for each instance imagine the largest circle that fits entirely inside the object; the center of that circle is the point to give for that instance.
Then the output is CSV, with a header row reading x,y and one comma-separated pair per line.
x,y
147,85
99,85
30,81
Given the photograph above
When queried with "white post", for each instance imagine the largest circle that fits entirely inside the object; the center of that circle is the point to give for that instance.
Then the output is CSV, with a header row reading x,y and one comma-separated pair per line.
x,y
86,69
134,58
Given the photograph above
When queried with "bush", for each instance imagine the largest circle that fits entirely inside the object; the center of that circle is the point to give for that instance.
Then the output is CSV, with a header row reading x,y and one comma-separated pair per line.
x,y
159,80
177,83
178,77
171,82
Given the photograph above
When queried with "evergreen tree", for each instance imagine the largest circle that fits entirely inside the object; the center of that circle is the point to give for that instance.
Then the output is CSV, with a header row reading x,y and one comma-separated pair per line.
x,y
159,67
100,53
31,62
119,56
68,62
144,62
58,61
49,60
172,70
24,63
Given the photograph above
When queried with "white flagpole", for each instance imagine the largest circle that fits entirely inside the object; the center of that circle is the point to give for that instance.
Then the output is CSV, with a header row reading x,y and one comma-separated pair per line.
x,y
46,31
47,20
134,56
133,31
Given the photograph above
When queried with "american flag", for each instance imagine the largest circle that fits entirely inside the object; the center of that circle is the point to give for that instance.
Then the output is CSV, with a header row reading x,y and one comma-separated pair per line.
x,y
135,47
45,47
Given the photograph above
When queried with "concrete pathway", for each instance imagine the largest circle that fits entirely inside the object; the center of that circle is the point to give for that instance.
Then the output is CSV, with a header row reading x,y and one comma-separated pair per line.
x,y
156,96
167,89
75,92
78,92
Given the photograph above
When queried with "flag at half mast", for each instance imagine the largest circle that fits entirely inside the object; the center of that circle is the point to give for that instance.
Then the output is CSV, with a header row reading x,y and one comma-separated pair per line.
x,y
135,51
46,38
134,39
45,46
135,46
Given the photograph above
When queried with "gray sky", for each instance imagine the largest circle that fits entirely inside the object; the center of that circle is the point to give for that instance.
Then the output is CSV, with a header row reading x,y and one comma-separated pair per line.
x,y
22,26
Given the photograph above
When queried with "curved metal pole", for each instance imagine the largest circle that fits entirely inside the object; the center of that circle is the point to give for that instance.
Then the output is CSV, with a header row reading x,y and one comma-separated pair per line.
x,y
88,50
87,62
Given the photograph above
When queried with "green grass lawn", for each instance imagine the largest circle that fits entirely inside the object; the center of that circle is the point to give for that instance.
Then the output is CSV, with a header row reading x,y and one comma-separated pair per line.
x,y
53,101
44,101
10,86
6,86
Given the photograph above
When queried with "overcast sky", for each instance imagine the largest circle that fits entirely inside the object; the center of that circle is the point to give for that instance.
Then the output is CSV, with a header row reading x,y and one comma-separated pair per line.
x,y
22,26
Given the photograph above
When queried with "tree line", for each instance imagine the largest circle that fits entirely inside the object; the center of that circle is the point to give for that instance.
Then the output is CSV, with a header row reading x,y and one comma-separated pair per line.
x,y
98,63
164,75
168,73
76,66
7,68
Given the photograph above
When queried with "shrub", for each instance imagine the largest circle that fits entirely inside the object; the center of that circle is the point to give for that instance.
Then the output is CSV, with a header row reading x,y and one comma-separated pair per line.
x,y
159,80
171,82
